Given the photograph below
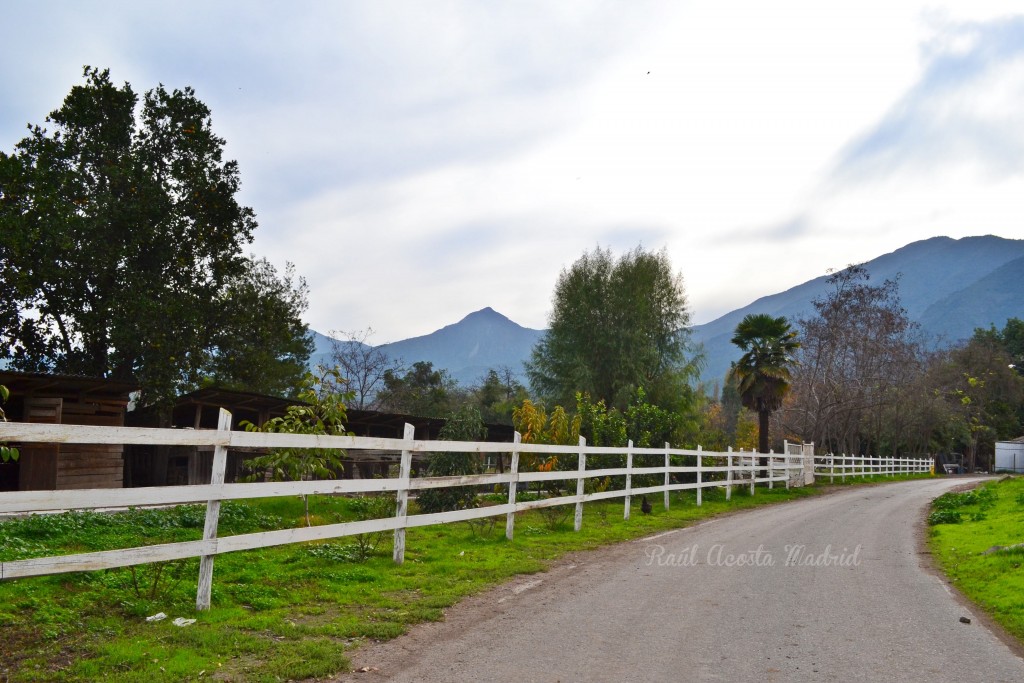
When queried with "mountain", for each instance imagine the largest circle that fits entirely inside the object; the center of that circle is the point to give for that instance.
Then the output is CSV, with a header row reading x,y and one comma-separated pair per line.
x,y
948,286
480,341
467,349
323,349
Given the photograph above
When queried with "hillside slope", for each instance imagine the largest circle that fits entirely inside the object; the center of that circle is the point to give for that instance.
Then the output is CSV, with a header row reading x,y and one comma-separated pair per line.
x,y
949,286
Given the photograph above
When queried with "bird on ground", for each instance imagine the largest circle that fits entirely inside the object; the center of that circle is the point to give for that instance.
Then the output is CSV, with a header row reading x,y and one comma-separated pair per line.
x,y
645,507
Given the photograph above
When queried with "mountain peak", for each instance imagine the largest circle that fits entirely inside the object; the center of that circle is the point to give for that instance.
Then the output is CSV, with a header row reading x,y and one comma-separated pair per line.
x,y
486,314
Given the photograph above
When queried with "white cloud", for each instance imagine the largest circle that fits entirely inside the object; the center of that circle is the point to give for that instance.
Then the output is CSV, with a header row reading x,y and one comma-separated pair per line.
x,y
420,161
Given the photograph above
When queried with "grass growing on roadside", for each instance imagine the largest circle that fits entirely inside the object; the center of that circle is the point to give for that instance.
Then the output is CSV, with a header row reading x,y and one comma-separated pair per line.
x,y
964,527
285,613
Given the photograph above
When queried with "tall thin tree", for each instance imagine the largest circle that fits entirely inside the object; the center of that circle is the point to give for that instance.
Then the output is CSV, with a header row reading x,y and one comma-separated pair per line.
x,y
762,373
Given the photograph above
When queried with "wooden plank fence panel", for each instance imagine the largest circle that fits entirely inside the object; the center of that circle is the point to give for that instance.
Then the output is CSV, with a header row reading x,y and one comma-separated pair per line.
x,y
217,491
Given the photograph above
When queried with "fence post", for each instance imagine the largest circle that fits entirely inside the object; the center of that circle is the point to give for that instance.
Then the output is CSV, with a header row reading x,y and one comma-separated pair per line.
x,y
510,519
700,478
785,465
753,470
402,508
578,521
728,474
629,477
771,468
220,461
667,479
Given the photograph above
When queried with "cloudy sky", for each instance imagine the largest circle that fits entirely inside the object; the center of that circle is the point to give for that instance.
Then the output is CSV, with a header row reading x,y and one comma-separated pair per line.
x,y
421,160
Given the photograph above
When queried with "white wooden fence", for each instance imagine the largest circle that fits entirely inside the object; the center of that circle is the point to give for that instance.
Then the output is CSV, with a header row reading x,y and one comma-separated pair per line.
x,y
842,466
709,469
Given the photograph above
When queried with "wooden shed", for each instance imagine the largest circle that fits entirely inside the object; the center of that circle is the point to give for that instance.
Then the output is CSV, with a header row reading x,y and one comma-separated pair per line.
x,y
65,399
200,409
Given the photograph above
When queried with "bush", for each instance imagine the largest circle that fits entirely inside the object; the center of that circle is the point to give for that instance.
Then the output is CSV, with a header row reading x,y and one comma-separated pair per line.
x,y
463,425
944,517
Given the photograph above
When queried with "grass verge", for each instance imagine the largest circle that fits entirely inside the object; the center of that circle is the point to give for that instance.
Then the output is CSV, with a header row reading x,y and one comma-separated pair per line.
x,y
972,537
286,613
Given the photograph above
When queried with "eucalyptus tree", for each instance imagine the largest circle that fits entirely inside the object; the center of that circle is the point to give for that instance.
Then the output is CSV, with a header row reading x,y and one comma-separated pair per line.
x,y
617,325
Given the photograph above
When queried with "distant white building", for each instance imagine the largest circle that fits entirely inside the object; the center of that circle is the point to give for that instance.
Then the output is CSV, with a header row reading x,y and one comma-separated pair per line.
x,y
1010,455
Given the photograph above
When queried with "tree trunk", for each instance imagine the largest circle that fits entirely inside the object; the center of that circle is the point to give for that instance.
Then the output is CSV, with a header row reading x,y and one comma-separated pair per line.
x,y
762,434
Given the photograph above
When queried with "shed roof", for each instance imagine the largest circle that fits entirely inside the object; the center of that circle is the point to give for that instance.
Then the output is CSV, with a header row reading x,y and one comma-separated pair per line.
x,y
41,383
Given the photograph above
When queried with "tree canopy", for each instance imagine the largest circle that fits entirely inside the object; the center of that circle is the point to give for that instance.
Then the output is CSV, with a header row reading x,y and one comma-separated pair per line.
x,y
856,366
616,325
121,245
422,391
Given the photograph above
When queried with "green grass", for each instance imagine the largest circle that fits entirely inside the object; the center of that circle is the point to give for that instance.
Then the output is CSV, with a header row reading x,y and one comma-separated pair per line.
x,y
278,614
963,526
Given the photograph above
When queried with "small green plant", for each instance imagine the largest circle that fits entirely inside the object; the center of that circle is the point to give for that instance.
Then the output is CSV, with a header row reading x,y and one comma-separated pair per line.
x,y
944,517
366,508
7,453
163,578
322,412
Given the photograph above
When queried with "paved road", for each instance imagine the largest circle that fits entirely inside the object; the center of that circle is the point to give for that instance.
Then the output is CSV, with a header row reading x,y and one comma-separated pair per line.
x,y
669,608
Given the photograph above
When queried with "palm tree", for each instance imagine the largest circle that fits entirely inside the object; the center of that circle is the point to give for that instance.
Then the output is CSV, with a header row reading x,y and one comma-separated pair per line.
x,y
762,373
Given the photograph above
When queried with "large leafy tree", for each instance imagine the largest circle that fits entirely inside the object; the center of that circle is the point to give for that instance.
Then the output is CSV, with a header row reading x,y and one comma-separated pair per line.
x,y
762,374
120,234
617,324
261,343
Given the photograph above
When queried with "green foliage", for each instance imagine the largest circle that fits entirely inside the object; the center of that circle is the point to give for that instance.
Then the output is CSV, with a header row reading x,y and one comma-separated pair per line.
x,y
261,343
944,517
1010,339
7,453
422,391
616,324
982,393
982,555
279,613
120,242
366,508
323,413
949,507
462,425
497,395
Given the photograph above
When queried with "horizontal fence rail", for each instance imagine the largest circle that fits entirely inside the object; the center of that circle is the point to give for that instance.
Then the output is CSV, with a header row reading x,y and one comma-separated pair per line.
x,y
863,466
705,469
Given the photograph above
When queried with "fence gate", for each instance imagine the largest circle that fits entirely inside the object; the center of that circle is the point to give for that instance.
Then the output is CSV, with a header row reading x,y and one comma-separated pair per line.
x,y
805,451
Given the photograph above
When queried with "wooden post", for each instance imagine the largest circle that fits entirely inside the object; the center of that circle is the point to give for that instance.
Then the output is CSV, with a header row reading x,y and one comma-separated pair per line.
x,y
220,461
581,469
753,470
510,519
402,508
629,477
667,480
771,468
728,475
785,466
700,479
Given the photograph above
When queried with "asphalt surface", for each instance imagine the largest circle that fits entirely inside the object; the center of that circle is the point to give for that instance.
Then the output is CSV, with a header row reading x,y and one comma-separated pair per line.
x,y
832,588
